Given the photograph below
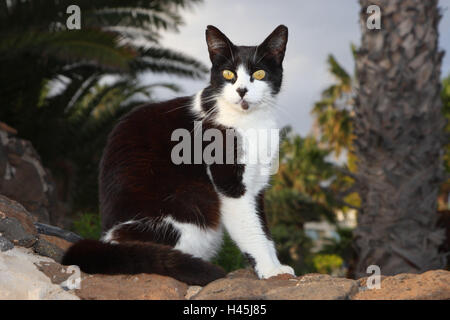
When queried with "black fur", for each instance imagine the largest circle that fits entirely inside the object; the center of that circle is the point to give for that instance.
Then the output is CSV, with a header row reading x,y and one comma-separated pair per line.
x,y
137,257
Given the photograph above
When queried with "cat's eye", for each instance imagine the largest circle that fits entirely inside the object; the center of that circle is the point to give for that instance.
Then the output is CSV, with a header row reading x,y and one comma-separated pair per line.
x,y
259,75
227,74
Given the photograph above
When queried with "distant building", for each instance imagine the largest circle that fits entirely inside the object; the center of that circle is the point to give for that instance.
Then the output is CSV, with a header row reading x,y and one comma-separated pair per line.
x,y
319,232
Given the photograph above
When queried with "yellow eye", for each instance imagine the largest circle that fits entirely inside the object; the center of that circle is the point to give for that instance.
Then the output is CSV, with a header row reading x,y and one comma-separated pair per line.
x,y
227,74
260,74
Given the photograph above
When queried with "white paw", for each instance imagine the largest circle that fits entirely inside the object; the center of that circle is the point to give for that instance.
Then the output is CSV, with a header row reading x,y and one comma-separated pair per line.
x,y
276,271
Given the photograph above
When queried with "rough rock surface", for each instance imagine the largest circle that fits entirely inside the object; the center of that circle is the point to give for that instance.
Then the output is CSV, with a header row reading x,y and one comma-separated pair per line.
x,y
24,179
20,278
315,287
431,285
131,287
245,285
26,274
12,229
48,249
5,244
55,272
12,209
61,243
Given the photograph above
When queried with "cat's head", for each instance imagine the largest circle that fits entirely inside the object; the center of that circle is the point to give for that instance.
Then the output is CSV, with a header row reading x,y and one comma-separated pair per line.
x,y
246,77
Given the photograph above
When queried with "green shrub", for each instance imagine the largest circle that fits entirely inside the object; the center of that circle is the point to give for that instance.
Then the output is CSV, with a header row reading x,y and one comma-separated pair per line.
x,y
88,225
327,263
230,257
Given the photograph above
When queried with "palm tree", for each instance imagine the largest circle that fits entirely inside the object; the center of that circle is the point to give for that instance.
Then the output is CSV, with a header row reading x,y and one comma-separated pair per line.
x,y
36,47
334,112
398,129
52,84
445,188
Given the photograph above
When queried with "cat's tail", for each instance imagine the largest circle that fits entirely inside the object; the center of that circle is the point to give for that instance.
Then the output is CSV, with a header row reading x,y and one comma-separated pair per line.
x,y
94,256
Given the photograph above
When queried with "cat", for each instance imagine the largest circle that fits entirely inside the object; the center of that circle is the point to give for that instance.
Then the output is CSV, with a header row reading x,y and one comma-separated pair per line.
x,y
166,218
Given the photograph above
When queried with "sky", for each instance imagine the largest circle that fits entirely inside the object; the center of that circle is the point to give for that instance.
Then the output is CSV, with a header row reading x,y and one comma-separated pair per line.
x,y
316,29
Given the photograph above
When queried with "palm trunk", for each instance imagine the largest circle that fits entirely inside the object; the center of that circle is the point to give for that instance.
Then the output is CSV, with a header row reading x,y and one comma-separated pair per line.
x,y
399,139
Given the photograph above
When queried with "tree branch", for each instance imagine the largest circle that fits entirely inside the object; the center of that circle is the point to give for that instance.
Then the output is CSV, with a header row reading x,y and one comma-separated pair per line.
x,y
345,203
348,191
345,171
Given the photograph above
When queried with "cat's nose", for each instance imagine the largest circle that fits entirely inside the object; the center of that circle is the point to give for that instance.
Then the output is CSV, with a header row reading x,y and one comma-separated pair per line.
x,y
241,91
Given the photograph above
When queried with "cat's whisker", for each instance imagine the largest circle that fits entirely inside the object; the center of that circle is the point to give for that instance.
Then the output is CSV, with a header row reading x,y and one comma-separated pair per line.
x,y
178,108
205,117
277,106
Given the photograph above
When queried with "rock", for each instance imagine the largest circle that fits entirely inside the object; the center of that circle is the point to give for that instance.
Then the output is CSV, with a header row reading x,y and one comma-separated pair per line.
x,y
48,249
233,289
57,232
54,271
242,285
25,275
192,291
12,209
131,287
16,225
20,278
247,273
23,178
5,244
240,288
60,243
12,229
431,285
315,287
283,276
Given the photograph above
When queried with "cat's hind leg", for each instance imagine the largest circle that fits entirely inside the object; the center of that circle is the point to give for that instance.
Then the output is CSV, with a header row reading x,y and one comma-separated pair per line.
x,y
155,230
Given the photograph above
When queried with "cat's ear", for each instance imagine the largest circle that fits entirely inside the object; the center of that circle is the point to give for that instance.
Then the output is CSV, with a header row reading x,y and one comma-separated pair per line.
x,y
218,43
275,44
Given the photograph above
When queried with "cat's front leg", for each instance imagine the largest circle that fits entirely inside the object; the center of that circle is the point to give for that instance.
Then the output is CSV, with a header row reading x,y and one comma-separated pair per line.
x,y
245,226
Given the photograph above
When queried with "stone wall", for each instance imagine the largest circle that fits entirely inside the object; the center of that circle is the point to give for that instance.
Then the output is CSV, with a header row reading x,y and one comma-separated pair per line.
x,y
23,178
29,269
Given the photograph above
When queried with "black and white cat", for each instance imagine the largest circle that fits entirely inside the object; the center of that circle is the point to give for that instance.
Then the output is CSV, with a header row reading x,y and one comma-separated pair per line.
x,y
167,218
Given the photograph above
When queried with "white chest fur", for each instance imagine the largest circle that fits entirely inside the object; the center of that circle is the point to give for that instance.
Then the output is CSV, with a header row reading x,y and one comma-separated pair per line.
x,y
260,142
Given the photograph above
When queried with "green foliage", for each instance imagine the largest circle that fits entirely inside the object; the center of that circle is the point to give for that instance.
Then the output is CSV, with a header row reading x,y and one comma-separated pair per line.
x,y
88,226
343,246
334,112
230,257
293,247
327,263
334,120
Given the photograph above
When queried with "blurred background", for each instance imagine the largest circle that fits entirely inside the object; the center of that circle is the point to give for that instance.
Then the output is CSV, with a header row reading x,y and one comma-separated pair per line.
x,y
358,184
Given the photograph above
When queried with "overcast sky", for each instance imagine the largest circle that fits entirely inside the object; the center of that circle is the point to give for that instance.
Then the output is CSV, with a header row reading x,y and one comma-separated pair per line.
x,y
316,28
